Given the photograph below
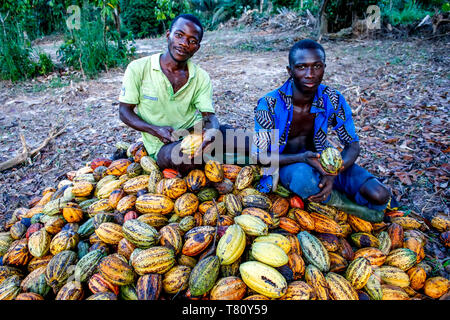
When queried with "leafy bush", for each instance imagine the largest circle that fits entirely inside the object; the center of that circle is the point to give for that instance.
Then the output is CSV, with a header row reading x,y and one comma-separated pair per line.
x,y
17,60
95,46
38,17
146,18
405,12
214,12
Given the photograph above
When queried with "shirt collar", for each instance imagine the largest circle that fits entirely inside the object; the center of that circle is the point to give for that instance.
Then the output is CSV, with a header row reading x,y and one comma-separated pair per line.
x,y
285,92
157,66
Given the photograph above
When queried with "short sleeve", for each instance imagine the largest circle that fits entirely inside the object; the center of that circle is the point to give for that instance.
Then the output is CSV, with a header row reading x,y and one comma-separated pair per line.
x,y
203,97
345,127
131,85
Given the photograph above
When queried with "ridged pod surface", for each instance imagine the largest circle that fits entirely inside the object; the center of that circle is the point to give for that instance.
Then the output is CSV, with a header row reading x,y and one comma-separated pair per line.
x,y
337,262
362,239
87,265
29,296
303,218
402,258
35,282
156,259
417,277
195,180
277,239
299,290
391,292
204,275
244,178
115,269
72,290
331,160
176,279
231,171
269,253
373,288
186,205
60,267
259,213
324,224
358,224
17,254
436,287
135,184
110,232
149,286
340,288
252,225
197,242
263,279
297,265
118,167
10,288
384,242
39,243
156,220
228,288
214,171
358,272
154,203
140,234
233,205
314,251
97,283
231,245
375,256
393,276
256,201
171,238
126,203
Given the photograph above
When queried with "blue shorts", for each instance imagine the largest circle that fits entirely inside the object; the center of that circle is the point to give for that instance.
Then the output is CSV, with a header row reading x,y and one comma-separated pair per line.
x,y
304,180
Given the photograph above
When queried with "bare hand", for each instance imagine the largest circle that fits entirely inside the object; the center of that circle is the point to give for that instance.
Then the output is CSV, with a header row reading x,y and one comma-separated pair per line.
x,y
326,186
208,138
165,134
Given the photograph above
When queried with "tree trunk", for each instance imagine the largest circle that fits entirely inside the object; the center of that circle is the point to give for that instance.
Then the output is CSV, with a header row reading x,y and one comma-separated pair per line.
x,y
323,5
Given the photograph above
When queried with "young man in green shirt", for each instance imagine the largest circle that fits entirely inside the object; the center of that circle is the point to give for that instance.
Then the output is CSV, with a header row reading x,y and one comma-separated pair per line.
x,y
170,93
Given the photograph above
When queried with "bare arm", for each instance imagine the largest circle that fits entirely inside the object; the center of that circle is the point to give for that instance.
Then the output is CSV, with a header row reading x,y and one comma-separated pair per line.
x,y
131,119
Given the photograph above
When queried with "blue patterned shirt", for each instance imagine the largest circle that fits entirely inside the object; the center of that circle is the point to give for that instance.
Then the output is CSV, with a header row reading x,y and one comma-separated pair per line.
x,y
274,112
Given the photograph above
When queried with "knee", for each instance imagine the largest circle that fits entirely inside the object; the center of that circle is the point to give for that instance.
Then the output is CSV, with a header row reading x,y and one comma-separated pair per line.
x,y
377,194
300,178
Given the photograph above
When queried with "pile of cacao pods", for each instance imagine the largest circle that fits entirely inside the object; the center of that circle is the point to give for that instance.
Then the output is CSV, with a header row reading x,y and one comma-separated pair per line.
x,y
124,229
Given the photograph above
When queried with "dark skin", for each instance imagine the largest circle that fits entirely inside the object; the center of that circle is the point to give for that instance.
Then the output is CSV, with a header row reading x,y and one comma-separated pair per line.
x,y
183,42
307,68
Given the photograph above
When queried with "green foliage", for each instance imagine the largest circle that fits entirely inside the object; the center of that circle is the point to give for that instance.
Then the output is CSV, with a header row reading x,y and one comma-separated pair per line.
x,y
214,12
95,46
17,60
37,17
405,12
146,18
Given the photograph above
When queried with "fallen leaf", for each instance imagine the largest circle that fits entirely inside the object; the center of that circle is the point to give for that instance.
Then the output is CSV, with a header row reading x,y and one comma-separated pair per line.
x,y
404,178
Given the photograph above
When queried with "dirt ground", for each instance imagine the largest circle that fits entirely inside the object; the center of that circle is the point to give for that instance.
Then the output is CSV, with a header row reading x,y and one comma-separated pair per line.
x,y
398,91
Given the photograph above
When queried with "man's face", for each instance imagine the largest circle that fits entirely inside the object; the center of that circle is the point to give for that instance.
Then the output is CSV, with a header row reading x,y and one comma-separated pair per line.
x,y
306,69
183,40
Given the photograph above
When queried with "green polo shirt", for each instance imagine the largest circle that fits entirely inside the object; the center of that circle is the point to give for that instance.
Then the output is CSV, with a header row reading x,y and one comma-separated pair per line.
x,y
145,85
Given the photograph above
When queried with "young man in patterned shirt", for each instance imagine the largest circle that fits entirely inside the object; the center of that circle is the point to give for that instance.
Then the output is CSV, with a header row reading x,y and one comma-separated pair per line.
x,y
291,126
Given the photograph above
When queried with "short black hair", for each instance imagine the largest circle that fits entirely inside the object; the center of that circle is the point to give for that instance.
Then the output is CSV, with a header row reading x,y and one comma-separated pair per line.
x,y
191,18
305,44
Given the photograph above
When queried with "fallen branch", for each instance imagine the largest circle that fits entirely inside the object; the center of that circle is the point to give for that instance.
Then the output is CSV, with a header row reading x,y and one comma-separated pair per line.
x,y
26,154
